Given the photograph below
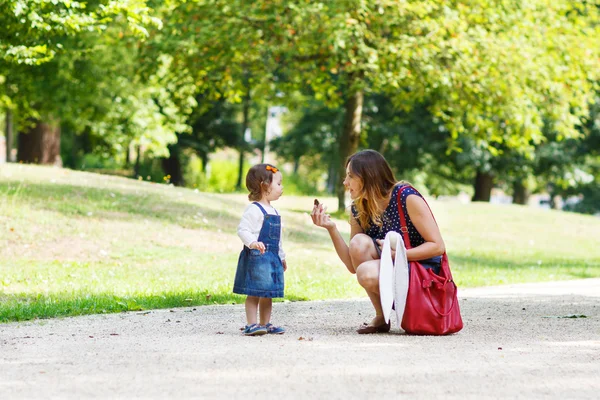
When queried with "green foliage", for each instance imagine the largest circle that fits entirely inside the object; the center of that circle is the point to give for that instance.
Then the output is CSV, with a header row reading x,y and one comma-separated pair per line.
x,y
450,87
90,68
311,144
94,161
219,176
194,173
34,31
589,199
150,169
411,142
482,68
223,175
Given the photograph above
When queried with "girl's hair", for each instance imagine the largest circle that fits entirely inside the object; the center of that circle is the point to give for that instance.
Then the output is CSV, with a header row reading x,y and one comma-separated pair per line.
x,y
259,179
377,182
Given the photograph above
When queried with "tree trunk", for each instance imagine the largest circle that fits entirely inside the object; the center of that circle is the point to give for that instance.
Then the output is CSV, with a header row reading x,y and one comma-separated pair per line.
x,y
138,160
520,193
127,163
41,144
238,184
484,181
172,165
332,176
204,158
9,136
349,139
384,145
245,123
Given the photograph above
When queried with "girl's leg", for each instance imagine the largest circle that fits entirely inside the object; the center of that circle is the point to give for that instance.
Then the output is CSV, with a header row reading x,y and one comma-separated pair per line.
x,y
265,306
251,307
365,260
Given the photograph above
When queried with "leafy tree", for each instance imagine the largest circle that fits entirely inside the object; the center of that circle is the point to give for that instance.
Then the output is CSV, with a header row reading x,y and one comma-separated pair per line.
x,y
312,139
572,167
212,127
492,71
33,32
236,68
412,142
76,48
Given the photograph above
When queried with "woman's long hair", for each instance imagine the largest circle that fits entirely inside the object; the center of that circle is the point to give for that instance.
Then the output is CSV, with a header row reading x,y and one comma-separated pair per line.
x,y
377,183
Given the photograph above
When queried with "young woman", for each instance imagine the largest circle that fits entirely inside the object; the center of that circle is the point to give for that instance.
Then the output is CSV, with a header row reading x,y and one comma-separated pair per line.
x,y
375,212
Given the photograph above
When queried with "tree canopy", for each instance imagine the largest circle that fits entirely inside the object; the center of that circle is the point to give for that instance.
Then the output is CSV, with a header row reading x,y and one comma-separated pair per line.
x,y
481,87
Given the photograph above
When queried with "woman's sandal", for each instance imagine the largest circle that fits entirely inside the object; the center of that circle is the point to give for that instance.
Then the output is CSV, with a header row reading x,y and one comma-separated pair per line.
x,y
374,329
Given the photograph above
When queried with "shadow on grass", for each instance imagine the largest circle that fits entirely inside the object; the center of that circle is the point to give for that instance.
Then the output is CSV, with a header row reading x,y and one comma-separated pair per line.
x,y
485,271
579,266
113,204
24,307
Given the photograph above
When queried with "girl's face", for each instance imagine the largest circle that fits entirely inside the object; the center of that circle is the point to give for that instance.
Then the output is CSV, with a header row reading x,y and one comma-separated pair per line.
x,y
276,189
352,183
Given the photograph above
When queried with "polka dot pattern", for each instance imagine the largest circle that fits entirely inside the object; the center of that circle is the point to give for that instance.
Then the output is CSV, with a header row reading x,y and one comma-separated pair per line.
x,y
391,218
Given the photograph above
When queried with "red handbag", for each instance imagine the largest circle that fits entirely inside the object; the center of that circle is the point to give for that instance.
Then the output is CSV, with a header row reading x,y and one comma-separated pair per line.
x,y
432,302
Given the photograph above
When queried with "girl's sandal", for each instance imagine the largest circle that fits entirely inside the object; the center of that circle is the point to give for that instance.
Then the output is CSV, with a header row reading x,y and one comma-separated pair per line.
x,y
274,330
254,330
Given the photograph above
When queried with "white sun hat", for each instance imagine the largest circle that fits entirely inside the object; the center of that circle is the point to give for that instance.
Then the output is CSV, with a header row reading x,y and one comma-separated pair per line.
x,y
393,277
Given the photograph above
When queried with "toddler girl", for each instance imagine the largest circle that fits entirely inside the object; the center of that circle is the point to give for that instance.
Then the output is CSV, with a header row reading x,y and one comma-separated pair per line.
x,y
262,261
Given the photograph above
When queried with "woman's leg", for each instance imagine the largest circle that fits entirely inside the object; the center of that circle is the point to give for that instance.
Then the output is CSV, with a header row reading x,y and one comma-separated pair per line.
x,y
265,306
367,274
362,249
365,260
251,307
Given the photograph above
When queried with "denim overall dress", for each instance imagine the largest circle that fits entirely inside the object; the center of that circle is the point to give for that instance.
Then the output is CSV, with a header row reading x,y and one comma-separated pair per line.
x,y
261,275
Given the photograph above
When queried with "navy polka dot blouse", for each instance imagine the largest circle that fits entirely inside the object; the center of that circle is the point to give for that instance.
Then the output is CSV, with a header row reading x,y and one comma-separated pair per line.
x,y
391,219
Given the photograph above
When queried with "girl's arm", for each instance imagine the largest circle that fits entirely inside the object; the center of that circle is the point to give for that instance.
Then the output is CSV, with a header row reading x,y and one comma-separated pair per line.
x,y
281,252
422,219
249,228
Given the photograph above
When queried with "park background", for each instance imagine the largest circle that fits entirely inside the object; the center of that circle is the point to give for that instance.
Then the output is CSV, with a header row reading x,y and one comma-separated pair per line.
x,y
128,126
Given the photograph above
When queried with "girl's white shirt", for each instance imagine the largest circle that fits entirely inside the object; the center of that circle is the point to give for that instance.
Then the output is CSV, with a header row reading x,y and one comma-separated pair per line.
x,y
249,228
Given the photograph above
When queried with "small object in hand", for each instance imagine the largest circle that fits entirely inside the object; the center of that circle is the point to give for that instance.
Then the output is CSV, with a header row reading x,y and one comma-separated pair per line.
x,y
316,202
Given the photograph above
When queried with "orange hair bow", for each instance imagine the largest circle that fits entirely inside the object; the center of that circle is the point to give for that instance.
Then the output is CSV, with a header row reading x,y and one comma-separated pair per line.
x,y
269,168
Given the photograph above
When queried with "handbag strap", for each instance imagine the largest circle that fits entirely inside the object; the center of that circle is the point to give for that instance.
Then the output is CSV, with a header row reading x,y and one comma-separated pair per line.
x,y
404,227
455,300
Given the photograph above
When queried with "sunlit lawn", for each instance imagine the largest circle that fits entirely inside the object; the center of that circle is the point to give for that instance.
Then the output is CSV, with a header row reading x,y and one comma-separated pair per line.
x,y
77,243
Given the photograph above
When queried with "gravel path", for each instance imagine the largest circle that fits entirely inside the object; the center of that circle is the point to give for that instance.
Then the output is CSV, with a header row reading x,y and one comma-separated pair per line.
x,y
514,345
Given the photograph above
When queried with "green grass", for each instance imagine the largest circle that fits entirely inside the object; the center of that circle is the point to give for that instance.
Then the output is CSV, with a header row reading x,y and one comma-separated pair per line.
x,y
77,243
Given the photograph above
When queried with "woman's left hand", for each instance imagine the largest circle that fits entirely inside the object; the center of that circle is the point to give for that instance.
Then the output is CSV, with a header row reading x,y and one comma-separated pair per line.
x,y
284,265
392,248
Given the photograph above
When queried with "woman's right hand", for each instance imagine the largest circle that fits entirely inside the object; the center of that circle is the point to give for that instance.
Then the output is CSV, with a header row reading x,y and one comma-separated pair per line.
x,y
321,218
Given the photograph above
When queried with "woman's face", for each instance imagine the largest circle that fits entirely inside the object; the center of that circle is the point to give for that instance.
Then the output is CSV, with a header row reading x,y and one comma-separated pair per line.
x,y
352,183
